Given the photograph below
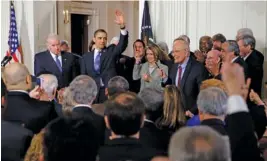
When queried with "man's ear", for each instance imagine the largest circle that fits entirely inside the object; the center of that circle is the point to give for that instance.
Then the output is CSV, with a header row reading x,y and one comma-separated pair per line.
x,y
54,93
143,121
106,91
41,157
29,81
94,39
107,122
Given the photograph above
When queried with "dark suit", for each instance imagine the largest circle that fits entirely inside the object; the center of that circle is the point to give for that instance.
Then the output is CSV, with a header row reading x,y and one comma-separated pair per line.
x,y
192,78
243,64
86,113
153,137
126,149
107,61
239,127
15,141
31,113
255,70
128,74
107,64
44,62
216,124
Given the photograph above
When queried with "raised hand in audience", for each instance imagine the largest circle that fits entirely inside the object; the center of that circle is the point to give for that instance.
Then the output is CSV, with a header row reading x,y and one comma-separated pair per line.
x,y
35,93
119,19
254,97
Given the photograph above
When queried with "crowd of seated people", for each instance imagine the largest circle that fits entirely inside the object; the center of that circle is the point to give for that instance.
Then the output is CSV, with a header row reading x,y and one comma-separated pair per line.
x,y
201,106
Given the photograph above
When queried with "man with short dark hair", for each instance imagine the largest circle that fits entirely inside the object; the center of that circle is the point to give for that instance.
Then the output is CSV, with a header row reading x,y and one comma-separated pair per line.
x,y
116,85
100,63
124,116
217,41
70,139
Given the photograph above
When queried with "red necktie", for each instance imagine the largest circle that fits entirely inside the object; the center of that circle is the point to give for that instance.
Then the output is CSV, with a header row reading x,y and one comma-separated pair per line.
x,y
179,75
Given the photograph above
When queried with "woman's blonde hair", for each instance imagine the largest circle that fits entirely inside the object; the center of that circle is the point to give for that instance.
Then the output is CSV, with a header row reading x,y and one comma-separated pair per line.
x,y
35,150
213,83
173,108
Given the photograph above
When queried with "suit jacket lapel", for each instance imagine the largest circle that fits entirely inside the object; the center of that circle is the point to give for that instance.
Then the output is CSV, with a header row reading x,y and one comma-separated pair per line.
x,y
186,72
102,57
53,63
64,61
173,73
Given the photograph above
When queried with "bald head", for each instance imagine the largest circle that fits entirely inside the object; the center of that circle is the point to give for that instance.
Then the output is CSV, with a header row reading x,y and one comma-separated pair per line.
x,y
214,53
15,74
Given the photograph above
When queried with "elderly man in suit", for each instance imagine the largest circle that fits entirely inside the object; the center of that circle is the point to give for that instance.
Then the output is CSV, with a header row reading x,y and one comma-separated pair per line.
x,y
53,60
187,74
254,60
100,63
230,49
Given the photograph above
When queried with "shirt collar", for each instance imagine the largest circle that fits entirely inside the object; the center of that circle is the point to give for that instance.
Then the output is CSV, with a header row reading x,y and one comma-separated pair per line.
x,y
54,55
22,91
247,56
183,65
234,59
82,105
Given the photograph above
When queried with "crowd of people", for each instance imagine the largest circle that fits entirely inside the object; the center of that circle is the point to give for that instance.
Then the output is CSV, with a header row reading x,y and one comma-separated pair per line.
x,y
158,105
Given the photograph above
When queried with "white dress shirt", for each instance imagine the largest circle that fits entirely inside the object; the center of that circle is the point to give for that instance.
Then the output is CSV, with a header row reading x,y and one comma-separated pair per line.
x,y
54,57
183,65
81,105
234,59
245,58
236,104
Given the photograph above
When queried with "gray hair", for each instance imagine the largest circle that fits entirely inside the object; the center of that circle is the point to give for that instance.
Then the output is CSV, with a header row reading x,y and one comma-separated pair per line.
x,y
184,41
114,39
49,84
152,97
199,143
244,31
83,89
64,42
163,46
185,38
212,101
233,47
248,40
117,84
52,36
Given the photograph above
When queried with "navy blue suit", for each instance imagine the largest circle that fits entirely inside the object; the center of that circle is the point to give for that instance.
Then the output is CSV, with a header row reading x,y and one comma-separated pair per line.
x,y
107,61
44,62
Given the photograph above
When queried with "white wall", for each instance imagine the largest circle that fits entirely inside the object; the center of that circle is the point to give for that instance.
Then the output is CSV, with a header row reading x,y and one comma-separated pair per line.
x,y
198,18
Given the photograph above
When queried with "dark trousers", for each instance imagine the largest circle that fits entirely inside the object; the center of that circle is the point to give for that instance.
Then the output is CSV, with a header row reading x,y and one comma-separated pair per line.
x,y
101,97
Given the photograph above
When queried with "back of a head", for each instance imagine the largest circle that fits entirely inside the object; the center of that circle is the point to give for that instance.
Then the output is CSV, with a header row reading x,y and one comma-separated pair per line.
x,y
153,99
125,112
70,139
242,32
163,46
15,74
83,90
49,84
212,101
117,84
213,83
200,143
115,40
219,37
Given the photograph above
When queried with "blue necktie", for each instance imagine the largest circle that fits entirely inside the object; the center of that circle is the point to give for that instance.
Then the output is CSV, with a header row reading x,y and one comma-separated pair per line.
x,y
97,62
58,63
